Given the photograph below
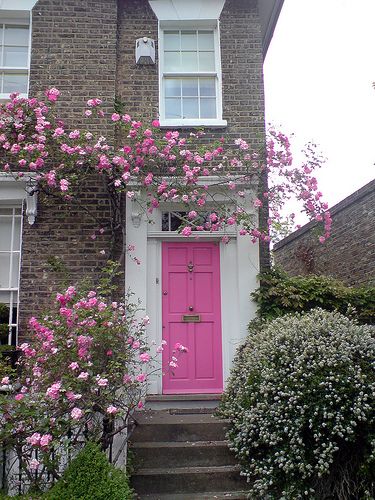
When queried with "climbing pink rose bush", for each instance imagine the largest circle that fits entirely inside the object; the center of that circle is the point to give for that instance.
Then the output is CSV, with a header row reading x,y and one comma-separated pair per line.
x,y
83,372
167,165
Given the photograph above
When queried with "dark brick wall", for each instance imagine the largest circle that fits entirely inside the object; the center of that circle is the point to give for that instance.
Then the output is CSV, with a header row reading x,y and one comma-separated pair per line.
x,y
348,255
86,48
242,63
73,49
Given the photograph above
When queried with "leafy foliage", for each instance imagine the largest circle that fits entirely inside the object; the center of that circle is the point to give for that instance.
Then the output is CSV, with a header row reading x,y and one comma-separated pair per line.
x,y
300,403
282,294
91,477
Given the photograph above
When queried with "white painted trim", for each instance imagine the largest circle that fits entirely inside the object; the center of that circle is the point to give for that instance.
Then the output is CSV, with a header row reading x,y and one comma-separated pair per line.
x,y
18,189
180,10
239,267
196,236
16,5
20,17
192,123
217,122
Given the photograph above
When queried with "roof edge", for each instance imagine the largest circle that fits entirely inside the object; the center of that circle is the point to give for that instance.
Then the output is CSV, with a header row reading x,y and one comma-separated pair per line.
x,y
341,205
269,11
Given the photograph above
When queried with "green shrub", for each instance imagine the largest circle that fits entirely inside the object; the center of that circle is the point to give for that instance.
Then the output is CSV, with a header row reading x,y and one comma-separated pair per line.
x,y
91,477
300,401
282,294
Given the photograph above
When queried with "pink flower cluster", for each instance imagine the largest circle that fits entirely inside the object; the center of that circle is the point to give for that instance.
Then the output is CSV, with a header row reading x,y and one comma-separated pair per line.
x,y
148,155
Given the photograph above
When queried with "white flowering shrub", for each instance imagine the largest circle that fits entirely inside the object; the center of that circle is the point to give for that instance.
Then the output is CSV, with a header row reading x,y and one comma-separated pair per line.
x,y
301,405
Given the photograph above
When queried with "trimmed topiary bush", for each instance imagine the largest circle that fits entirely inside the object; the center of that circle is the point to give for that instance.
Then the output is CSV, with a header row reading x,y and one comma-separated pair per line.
x,y
91,477
301,401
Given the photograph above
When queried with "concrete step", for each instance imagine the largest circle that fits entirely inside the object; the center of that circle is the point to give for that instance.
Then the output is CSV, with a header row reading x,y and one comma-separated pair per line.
x,y
182,454
198,402
162,426
210,495
188,480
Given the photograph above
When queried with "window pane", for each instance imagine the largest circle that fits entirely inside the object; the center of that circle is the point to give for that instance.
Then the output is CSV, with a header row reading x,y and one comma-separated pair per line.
x,y
15,270
165,221
206,61
15,83
4,270
16,35
207,87
188,40
176,220
206,40
190,87
172,87
172,61
6,211
5,232
17,233
208,108
15,56
171,40
172,108
190,108
189,61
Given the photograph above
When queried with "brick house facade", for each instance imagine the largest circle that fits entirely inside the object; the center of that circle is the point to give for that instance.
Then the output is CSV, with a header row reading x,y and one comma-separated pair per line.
x,y
86,48
348,255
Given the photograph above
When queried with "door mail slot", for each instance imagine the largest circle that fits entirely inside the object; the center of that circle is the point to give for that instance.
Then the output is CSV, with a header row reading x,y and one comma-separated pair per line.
x,y
191,318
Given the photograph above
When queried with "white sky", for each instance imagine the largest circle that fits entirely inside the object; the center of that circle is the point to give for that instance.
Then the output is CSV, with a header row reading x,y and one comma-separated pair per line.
x,y
318,82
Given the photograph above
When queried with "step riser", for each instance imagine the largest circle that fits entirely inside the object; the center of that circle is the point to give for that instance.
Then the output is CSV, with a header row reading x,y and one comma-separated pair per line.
x,y
198,456
213,431
188,483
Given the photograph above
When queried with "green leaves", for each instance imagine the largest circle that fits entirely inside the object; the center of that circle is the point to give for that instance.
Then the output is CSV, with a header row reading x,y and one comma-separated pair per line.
x,y
281,294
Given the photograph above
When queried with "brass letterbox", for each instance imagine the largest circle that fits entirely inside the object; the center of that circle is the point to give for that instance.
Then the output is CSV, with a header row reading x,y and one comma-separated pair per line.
x,y
191,318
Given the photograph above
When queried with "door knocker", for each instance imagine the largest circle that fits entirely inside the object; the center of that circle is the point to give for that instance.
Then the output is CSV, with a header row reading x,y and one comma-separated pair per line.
x,y
190,267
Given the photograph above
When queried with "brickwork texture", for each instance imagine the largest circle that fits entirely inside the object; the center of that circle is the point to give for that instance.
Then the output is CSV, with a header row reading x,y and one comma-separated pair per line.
x,y
348,255
86,48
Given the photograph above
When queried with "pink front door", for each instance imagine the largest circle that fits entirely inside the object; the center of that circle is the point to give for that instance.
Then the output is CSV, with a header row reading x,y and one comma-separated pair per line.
x,y
191,292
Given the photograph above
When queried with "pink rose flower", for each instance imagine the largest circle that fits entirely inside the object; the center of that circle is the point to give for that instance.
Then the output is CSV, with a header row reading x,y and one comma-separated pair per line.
x,y
76,413
45,440
144,357
52,94
112,410
34,439
141,377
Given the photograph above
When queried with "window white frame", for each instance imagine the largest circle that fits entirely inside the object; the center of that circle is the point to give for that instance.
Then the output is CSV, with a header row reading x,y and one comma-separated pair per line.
x,y
212,25
17,192
9,289
16,18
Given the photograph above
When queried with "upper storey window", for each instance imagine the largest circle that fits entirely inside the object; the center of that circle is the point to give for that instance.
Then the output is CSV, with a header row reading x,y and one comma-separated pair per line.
x,y
14,56
190,77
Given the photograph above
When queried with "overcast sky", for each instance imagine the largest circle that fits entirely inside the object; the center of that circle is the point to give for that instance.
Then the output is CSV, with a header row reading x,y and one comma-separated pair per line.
x,y
318,81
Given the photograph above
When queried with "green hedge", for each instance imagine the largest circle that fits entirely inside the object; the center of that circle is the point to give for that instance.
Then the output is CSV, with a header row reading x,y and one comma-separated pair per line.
x,y
281,294
91,477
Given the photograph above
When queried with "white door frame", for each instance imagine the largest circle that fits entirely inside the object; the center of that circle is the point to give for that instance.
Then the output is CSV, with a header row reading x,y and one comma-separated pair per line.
x,y
239,267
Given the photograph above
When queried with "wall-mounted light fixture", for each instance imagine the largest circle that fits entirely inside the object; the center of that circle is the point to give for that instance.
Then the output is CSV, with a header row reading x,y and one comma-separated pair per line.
x,y
145,51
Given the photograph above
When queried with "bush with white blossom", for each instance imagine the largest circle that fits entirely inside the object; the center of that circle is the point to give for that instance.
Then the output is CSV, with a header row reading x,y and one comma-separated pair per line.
x,y
301,401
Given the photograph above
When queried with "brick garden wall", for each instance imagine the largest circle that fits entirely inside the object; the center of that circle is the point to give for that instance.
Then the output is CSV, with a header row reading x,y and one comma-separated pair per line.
x,y
348,255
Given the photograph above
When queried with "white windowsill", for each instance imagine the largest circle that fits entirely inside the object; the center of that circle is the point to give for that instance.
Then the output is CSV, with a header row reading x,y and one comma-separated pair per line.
x,y
5,97
193,123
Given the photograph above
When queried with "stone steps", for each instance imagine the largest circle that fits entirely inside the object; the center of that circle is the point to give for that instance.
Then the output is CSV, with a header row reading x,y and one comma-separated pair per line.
x,y
183,455
215,495
199,453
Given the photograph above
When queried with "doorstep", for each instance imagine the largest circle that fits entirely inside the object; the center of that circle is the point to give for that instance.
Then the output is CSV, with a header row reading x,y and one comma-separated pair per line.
x,y
182,401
